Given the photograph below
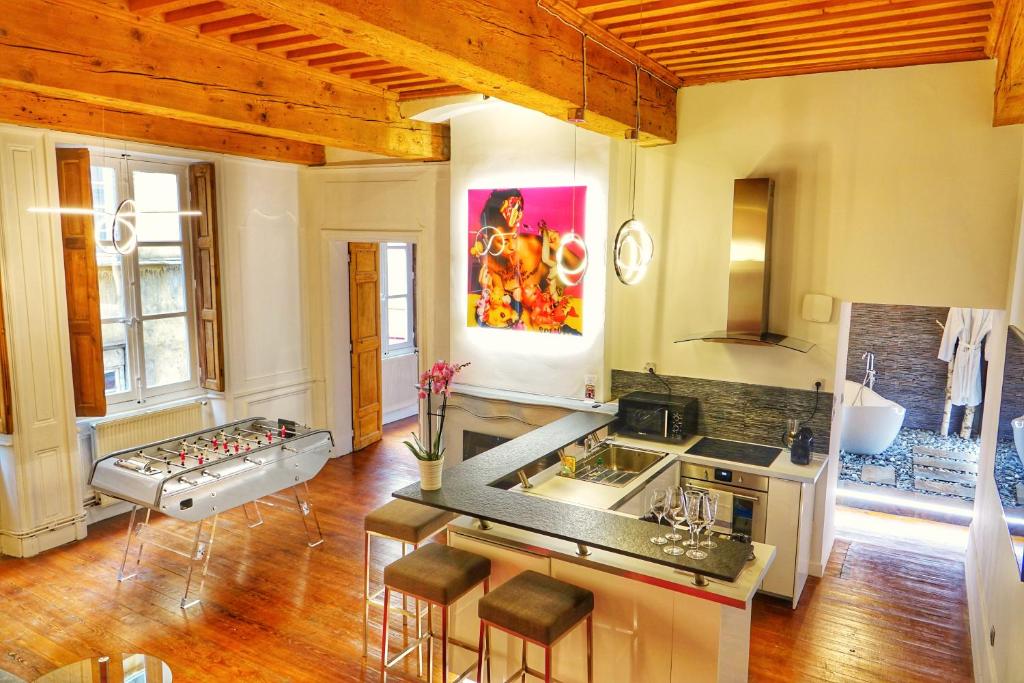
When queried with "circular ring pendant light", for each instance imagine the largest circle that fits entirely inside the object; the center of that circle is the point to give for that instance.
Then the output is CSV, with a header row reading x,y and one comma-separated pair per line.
x,y
633,252
493,239
123,238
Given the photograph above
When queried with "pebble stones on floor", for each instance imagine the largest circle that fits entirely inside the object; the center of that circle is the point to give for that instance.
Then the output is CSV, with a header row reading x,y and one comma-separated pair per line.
x,y
1009,474
919,461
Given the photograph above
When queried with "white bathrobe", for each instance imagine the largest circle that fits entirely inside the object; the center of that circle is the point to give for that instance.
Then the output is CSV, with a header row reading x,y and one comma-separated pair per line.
x,y
968,326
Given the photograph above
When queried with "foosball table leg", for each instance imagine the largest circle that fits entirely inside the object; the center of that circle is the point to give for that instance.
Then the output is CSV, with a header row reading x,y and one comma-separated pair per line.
x,y
134,533
253,516
202,546
309,519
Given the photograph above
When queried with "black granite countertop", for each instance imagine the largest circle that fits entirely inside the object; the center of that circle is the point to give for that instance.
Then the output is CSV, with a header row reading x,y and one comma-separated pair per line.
x,y
467,490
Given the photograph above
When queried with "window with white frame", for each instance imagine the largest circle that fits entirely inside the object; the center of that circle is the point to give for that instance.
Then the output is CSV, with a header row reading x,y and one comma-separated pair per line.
x,y
145,296
396,295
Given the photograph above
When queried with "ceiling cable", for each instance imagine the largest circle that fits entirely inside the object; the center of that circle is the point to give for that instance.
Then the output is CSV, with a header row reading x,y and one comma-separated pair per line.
x,y
611,49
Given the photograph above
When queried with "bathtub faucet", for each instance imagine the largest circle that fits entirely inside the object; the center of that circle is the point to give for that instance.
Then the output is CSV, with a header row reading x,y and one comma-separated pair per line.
x,y
869,369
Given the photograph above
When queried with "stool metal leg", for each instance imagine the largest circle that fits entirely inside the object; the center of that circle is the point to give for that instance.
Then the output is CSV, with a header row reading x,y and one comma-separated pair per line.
x,y
366,590
523,678
384,636
590,648
444,642
547,664
480,653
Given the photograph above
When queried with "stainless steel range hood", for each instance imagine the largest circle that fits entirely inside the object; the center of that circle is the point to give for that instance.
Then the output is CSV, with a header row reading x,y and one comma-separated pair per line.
x,y
750,271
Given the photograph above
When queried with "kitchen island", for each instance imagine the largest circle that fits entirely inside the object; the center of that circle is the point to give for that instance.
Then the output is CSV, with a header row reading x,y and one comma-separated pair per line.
x,y
657,617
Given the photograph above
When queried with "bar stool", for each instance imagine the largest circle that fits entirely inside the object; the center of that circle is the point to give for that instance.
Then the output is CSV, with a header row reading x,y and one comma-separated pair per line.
x,y
438,575
404,522
537,609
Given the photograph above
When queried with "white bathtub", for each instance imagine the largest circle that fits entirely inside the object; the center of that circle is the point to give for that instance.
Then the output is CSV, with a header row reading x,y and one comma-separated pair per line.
x,y
870,421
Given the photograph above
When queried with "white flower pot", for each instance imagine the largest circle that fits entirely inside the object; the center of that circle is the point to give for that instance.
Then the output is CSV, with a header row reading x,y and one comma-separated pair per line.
x,y
430,474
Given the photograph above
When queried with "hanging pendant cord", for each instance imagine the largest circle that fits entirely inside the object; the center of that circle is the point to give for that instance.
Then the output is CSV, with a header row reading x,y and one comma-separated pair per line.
x,y
636,144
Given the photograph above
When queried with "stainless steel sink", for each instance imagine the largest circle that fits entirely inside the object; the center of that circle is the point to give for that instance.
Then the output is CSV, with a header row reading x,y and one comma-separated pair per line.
x,y
614,465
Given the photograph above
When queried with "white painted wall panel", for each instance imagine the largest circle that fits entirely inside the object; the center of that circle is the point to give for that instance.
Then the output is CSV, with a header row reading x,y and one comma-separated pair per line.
x,y
399,374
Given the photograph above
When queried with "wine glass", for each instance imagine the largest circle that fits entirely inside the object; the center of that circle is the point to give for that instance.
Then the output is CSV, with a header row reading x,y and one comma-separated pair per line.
x,y
694,507
674,499
675,514
657,508
710,513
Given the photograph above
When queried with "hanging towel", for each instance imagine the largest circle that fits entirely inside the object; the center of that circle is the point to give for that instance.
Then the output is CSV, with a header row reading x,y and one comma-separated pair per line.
x,y
966,329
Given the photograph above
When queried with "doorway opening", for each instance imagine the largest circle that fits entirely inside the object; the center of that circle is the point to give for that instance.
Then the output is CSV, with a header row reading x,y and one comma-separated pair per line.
x,y
382,330
912,409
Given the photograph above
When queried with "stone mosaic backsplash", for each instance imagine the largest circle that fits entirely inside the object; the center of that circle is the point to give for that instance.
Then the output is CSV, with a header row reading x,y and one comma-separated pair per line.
x,y
742,412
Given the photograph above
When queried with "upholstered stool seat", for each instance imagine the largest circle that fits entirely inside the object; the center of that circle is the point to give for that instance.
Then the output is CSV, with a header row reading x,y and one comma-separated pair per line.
x,y
437,573
407,522
538,609
536,606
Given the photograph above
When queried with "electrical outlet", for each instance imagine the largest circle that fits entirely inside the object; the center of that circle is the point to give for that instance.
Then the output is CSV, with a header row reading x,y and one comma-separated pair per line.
x,y
818,384
650,366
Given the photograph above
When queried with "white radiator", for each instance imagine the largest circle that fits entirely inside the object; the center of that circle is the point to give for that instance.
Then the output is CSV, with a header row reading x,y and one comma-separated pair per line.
x,y
116,434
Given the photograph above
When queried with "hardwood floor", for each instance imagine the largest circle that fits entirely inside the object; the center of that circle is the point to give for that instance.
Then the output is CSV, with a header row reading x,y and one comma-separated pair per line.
x,y
275,610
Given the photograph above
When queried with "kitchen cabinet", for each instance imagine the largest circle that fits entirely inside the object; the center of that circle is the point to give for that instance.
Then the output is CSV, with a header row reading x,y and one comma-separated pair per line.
x,y
789,529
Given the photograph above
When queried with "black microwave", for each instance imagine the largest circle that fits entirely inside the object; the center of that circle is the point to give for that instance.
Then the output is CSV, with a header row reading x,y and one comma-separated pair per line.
x,y
661,417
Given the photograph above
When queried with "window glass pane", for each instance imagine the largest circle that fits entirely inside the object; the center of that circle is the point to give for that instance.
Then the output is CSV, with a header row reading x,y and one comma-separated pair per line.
x,y
165,348
398,272
161,280
115,358
104,199
110,268
398,321
157,192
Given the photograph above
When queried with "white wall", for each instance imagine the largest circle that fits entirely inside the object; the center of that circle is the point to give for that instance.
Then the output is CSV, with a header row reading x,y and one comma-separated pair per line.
x,y
40,506
995,591
507,146
892,186
266,310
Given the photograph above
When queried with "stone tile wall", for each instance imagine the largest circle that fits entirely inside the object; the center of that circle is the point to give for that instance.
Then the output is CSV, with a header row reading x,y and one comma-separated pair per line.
x,y
743,412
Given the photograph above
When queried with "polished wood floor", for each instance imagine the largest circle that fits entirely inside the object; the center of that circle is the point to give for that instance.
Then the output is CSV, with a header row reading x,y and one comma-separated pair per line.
x,y
274,610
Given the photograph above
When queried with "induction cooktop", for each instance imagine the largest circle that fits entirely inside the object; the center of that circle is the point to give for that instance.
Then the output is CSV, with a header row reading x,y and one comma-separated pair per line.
x,y
735,451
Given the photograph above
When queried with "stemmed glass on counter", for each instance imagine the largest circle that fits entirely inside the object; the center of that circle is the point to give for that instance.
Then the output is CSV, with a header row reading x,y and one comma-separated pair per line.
x,y
658,505
695,508
710,513
675,514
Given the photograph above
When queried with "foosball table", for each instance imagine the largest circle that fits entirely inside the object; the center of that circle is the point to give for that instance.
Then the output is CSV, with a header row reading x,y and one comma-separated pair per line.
x,y
195,477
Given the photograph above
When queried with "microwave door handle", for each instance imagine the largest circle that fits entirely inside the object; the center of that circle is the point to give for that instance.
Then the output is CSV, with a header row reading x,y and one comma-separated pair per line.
x,y
664,426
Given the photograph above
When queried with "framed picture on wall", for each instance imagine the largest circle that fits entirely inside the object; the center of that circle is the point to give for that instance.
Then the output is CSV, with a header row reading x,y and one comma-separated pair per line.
x,y
527,259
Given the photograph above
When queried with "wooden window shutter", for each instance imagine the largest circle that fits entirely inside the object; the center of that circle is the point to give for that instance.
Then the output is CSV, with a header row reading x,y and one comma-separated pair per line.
x,y
209,328
81,280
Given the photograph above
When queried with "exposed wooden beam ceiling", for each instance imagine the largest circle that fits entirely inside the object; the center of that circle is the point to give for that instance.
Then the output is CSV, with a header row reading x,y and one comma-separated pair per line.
x,y
109,58
30,109
1007,41
707,41
513,49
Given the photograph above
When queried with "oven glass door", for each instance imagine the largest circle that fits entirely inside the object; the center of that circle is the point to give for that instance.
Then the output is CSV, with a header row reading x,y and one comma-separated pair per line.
x,y
747,515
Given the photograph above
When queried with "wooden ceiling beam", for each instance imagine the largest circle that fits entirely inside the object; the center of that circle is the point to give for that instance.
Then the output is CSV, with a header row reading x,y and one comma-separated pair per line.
x,y
1008,49
112,59
150,8
837,24
829,37
257,35
512,49
31,109
222,27
442,91
883,63
966,33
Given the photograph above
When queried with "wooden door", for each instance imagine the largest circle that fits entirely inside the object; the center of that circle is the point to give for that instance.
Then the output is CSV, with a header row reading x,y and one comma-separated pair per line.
x,y
364,315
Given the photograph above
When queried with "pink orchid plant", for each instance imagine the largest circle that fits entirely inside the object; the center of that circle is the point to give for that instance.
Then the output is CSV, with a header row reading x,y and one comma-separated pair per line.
x,y
437,380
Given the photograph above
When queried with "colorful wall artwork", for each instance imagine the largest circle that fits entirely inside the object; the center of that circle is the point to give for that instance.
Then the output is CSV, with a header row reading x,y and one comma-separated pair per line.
x,y
527,259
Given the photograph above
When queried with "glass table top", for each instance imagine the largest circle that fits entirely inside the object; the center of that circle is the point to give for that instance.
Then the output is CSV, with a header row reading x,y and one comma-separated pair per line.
x,y
126,668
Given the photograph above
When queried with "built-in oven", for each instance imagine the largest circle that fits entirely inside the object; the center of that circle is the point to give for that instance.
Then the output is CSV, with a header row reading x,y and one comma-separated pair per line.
x,y
745,498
